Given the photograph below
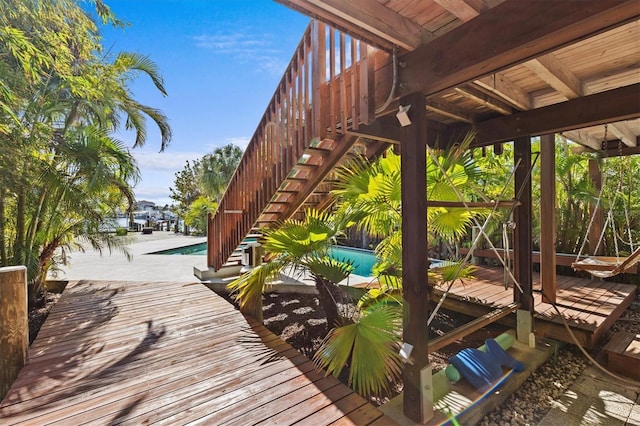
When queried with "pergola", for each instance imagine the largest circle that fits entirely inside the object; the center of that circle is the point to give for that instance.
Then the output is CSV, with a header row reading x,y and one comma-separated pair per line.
x,y
508,70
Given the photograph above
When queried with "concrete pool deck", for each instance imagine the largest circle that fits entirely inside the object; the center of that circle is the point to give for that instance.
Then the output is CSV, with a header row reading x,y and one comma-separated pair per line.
x,y
143,267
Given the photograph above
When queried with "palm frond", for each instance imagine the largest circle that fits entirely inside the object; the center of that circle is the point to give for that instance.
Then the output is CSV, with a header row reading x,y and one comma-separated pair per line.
x,y
369,347
248,288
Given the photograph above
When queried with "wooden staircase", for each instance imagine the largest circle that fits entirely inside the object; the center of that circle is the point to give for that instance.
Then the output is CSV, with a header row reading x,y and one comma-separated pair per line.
x,y
326,91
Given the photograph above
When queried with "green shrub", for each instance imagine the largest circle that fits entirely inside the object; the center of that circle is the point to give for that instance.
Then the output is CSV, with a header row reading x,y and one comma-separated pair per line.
x,y
121,232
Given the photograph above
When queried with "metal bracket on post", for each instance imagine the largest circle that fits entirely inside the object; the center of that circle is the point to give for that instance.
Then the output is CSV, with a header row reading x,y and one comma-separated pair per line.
x,y
426,390
524,327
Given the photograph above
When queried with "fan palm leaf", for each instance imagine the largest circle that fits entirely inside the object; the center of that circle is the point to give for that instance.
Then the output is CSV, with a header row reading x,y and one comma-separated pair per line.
x,y
368,346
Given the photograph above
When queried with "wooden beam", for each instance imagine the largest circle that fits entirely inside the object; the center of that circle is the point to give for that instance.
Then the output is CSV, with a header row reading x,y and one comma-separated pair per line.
x,y
600,108
502,86
610,152
365,19
557,75
459,8
449,110
386,129
483,99
624,133
511,33
583,138
548,218
415,287
522,241
473,204
464,330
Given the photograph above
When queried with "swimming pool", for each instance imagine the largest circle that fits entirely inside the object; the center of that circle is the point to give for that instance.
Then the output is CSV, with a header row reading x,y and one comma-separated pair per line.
x,y
196,249
363,260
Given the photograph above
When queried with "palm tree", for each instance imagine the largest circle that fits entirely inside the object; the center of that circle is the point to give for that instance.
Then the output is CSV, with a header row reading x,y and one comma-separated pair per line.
x,y
59,101
369,196
299,247
77,186
372,189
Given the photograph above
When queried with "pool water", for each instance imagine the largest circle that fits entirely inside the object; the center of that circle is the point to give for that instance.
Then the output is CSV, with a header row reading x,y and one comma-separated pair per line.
x,y
195,249
363,260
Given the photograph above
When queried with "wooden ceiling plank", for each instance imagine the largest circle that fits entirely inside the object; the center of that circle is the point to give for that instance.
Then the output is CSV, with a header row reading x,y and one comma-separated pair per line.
x,y
459,8
583,138
502,86
364,17
601,108
556,75
483,46
483,99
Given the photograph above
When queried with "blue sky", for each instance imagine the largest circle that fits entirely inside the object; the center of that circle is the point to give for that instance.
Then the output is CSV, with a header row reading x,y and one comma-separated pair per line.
x,y
221,62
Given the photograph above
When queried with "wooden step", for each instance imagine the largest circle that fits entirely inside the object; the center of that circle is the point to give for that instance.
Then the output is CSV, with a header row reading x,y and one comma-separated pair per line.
x,y
623,354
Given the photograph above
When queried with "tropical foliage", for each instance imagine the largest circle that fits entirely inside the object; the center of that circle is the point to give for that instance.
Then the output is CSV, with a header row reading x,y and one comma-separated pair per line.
x,y
299,247
203,180
575,193
365,339
198,213
61,99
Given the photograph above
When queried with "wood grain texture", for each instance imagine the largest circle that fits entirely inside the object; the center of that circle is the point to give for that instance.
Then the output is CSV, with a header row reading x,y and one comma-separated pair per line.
x,y
168,353
14,325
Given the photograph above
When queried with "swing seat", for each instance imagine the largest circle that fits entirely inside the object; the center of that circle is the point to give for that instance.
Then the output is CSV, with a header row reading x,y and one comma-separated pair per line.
x,y
605,267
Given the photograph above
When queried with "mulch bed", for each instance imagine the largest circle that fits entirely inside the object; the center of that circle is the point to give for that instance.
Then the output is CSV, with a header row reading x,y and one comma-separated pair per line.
x,y
299,320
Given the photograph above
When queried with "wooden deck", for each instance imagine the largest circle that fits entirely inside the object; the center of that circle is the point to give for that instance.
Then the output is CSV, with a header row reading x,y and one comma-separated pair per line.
x,y
590,306
169,353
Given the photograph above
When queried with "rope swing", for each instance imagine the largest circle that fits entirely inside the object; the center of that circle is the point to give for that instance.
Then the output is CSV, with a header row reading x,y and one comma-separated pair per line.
x,y
608,266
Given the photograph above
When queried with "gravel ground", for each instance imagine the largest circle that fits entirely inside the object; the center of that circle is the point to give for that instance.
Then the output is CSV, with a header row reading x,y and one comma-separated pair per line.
x,y
531,402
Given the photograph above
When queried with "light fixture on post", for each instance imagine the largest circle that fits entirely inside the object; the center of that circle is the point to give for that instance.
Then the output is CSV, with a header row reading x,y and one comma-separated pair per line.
x,y
402,116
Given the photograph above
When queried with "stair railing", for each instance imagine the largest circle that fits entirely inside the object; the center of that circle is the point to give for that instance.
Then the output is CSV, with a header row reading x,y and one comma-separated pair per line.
x,y
326,89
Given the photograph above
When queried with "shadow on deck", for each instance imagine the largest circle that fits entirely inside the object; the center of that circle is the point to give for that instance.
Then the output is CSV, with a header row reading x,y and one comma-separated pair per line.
x,y
170,353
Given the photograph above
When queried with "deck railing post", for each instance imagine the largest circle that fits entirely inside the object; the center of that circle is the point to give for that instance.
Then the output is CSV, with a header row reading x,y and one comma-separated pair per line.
x,y
14,325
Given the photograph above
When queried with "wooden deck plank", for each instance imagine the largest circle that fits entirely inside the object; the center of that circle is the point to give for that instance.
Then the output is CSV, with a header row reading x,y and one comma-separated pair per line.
x,y
131,352
278,403
307,407
590,306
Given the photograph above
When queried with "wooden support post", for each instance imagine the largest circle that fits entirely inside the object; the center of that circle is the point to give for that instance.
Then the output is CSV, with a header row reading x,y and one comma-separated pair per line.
x,y
14,325
595,174
414,259
548,217
523,245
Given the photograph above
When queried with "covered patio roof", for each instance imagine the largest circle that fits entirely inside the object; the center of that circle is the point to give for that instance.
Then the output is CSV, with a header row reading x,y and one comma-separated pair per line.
x,y
487,63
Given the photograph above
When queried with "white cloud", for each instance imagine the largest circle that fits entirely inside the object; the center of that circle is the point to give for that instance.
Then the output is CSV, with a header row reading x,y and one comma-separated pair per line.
x,y
230,43
246,48
165,161
240,141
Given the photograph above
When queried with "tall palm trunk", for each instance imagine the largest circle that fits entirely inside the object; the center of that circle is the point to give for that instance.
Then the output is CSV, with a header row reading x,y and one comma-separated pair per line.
x,y
18,246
